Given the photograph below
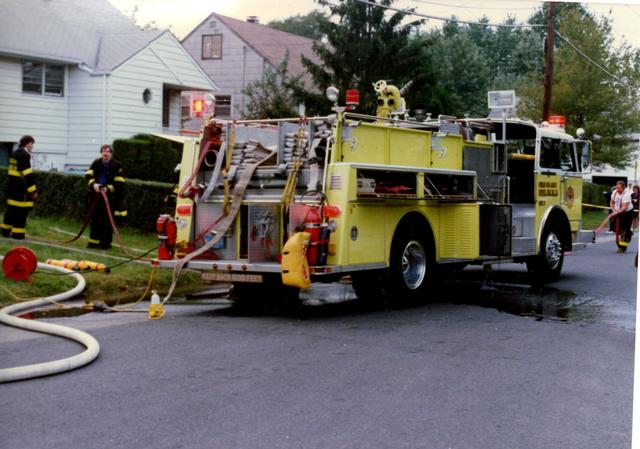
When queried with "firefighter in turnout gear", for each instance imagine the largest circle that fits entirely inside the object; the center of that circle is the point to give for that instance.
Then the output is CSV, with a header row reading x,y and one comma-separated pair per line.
x,y
105,175
21,192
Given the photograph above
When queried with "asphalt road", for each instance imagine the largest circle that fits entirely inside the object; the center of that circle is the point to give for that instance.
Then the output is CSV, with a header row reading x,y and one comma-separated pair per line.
x,y
474,368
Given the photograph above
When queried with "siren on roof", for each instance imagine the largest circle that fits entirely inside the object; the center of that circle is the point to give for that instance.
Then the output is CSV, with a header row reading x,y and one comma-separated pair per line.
x,y
557,121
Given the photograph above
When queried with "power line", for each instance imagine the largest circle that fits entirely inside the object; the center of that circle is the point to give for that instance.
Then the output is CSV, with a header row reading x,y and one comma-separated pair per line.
x,y
581,53
471,7
633,10
576,49
467,22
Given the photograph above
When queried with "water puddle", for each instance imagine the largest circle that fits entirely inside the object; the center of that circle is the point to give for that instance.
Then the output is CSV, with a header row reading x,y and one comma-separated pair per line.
x,y
58,312
545,303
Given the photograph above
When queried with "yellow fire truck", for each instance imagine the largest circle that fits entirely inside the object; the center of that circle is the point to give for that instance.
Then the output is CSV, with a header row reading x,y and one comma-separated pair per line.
x,y
273,205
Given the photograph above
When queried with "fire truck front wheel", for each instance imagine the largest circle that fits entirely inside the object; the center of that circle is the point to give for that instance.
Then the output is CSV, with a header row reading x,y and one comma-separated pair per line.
x,y
547,265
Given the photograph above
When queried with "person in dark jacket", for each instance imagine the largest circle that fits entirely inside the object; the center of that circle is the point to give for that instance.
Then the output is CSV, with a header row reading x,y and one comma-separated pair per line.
x,y
105,175
21,190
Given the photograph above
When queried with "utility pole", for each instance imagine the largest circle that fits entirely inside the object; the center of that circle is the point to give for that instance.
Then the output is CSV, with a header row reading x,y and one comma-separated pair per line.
x,y
548,66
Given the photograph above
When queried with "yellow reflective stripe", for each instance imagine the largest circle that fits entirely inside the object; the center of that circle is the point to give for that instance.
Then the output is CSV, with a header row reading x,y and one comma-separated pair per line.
x,y
18,230
122,213
89,173
91,181
31,189
27,171
20,203
621,243
110,187
94,241
13,172
118,179
5,226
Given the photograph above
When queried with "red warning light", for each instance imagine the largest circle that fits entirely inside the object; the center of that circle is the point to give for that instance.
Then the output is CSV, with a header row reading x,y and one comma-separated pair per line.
x,y
557,120
197,107
352,97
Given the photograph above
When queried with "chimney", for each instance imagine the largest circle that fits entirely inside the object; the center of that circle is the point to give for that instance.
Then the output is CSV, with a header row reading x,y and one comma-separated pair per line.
x,y
253,19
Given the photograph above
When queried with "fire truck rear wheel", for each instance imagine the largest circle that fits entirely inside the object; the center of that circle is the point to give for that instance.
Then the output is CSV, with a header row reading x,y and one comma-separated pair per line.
x,y
411,265
547,265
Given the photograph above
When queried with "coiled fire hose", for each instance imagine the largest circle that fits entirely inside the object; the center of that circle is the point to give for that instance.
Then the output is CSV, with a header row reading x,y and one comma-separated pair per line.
x,y
57,366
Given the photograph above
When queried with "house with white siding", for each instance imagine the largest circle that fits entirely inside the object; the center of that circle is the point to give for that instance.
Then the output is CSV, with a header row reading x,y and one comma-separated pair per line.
x,y
235,53
76,74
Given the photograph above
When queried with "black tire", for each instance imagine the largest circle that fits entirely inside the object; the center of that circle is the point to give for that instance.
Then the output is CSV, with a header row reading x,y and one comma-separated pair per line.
x,y
410,270
411,265
547,265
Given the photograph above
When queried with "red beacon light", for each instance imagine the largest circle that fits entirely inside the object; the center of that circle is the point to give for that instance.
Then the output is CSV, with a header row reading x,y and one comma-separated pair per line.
x,y
558,121
197,107
352,98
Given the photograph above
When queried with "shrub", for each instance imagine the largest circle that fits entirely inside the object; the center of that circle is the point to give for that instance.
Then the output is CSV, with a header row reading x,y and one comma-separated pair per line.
x,y
592,193
146,157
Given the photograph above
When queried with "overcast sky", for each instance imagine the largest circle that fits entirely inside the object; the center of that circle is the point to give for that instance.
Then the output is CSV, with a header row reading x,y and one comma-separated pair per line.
x,y
184,15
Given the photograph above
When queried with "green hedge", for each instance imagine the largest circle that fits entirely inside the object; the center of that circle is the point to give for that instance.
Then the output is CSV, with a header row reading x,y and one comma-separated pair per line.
x,y
592,193
146,157
66,195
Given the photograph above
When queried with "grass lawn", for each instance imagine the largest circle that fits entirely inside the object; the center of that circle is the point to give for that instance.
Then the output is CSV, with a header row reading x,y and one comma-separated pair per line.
x,y
126,282
591,218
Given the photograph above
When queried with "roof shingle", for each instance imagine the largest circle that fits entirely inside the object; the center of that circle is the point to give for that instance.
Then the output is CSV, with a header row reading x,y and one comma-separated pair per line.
x,y
92,32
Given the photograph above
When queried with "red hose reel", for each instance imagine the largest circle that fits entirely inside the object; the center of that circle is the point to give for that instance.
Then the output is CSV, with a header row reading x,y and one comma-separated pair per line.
x,y
19,263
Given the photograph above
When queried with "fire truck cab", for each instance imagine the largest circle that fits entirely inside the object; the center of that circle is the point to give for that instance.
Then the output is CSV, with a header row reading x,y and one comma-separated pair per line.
x,y
386,199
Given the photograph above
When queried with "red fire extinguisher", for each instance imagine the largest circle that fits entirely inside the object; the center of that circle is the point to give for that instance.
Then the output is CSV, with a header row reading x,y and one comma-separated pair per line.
x,y
167,234
313,224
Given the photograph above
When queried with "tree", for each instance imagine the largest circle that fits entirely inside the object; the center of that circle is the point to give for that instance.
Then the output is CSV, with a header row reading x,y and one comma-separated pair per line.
x,y
363,46
458,74
510,52
463,62
306,26
605,105
276,95
149,26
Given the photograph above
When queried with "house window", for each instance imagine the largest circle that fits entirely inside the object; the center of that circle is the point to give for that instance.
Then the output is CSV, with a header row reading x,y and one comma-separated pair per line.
x,y
212,46
6,148
43,78
223,105
166,107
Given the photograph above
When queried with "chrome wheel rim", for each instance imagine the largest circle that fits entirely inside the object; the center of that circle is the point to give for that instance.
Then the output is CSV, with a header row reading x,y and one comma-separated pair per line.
x,y
553,251
414,264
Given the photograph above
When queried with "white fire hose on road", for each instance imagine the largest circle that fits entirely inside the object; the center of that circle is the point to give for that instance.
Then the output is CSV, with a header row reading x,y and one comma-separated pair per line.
x,y
56,366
